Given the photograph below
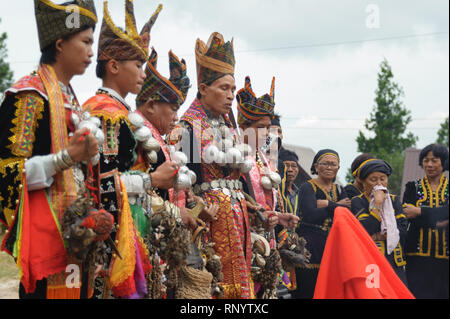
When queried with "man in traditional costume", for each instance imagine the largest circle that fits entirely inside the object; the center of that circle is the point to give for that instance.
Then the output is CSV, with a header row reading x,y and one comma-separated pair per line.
x,y
41,150
206,127
157,105
121,55
261,182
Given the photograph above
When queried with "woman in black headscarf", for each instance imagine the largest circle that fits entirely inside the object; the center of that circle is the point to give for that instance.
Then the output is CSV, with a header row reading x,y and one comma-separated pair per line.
x,y
317,200
375,208
426,207
356,188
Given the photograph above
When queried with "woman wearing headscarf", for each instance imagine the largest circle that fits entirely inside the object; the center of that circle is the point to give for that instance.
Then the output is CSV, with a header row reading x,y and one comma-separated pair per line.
x,y
381,213
426,207
356,188
318,199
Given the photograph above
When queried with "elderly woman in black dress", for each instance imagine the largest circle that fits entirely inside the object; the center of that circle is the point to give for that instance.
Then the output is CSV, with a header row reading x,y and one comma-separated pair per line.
x,y
426,207
317,200
381,213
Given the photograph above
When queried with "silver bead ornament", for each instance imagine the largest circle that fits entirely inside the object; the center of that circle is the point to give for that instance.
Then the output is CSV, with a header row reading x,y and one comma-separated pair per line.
x,y
183,182
227,144
89,125
245,166
266,182
95,120
151,145
136,120
143,133
85,116
171,149
245,149
233,156
275,177
180,158
75,119
183,170
100,137
193,176
153,157
221,159
210,154
95,159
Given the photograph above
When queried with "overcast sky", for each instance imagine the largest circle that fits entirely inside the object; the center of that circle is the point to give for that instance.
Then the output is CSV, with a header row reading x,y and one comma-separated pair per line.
x,y
325,56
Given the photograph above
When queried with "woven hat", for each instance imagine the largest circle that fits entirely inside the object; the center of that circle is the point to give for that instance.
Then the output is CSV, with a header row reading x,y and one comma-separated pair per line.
x,y
115,43
251,108
172,90
56,21
214,59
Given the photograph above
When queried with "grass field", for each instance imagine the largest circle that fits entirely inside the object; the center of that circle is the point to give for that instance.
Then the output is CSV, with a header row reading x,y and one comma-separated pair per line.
x,y
8,268
9,276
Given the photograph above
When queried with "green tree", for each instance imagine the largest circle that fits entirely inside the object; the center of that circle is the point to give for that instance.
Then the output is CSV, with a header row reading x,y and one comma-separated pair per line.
x,y
6,75
443,134
388,122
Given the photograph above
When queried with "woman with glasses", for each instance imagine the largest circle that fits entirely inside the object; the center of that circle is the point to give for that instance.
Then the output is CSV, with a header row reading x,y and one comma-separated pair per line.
x,y
318,199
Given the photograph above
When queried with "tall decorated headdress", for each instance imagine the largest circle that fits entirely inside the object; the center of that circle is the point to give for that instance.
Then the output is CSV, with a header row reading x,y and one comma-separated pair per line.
x,y
116,43
214,59
251,108
56,21
157,87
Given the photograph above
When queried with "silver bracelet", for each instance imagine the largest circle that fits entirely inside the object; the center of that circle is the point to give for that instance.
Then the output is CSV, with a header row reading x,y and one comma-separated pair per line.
x,y
147,179
67,159
59,163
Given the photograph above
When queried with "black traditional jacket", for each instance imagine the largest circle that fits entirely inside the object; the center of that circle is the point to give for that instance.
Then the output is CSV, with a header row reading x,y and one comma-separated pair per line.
x,y
372,223
315,223
424,238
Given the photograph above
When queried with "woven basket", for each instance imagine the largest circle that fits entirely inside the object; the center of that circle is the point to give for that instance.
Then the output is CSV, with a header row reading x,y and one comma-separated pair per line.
x,y
194,284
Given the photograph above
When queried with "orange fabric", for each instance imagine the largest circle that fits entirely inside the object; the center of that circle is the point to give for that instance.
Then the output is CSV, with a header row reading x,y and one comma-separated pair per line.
x,y
42,252
349,262
103,104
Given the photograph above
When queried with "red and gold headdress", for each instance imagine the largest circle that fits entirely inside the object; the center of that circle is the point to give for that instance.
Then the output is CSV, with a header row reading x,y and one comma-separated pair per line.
x,y
122,45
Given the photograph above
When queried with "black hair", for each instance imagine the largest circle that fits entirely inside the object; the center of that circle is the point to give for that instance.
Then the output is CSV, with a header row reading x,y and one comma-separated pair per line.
x,y
100,69
361,159
438,150
48,55
276,120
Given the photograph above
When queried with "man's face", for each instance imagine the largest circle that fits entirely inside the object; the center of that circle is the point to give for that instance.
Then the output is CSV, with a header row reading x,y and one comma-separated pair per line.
x,y
165,117
261,129
130,76
277,129
76,52
291,170
219,96
162,115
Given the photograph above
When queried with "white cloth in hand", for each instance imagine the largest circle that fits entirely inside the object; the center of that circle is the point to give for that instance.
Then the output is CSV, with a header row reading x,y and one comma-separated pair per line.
x,y
388,221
